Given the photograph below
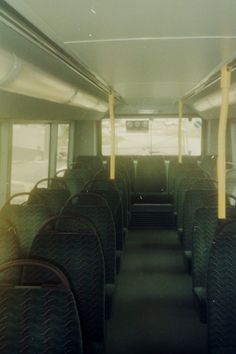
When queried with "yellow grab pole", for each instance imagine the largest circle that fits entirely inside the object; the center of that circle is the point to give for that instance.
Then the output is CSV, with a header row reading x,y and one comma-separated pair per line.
x,y
180,141
221,162
113,136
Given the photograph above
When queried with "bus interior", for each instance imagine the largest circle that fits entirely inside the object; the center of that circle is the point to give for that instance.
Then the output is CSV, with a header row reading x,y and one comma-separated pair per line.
x,y
117,177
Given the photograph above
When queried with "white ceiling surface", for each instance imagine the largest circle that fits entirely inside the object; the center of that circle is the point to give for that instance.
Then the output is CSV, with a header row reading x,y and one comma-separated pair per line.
x,y
153,49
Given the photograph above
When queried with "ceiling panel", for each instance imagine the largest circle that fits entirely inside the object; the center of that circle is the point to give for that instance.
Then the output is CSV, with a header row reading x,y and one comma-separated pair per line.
x,y
154,68
76,19
156,49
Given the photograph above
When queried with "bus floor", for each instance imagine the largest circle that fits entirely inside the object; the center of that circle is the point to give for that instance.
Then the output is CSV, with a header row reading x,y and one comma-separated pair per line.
x,y
153,310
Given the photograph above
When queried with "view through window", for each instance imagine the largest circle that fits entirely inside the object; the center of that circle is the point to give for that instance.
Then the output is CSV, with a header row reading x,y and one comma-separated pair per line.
x,y
62,146
152,136
30,155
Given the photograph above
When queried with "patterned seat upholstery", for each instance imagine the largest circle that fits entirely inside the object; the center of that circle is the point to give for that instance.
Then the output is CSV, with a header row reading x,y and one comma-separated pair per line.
x,y
92,162
111,195
53,199
205,226
102,220
9,250
194,199
79,173
120,184
183,172
150,175
74,184
26,221
96,199
38,319
79,256
186,184
221,291
175,169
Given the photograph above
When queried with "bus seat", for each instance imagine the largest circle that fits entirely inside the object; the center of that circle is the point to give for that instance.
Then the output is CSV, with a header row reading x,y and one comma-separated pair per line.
x,y
208,165
9,250
79,256
182,173
194,199
53,199
35,318
102,220
186,184
83,172
205,226
26,221
221,291
231,182
175,168
93,163
108,190
125,165
95,199
150,175
74,185
121,186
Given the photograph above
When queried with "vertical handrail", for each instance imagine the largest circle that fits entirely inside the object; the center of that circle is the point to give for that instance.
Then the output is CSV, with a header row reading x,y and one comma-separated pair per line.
x,y
221,161
113,136
180,142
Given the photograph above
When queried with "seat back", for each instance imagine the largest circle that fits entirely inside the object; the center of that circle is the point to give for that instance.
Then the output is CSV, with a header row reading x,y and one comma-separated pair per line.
x,y
26,221
118,184
109,192
183,172
9,251
81,172
38,319
74,184
221,291
78,253
194,199
53,199
185,185
101,218
92,162
204,229
208,165
150,175
175,168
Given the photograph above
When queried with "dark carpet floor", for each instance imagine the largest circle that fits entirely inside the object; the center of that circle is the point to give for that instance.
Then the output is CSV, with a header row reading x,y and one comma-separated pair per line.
x,y
153,311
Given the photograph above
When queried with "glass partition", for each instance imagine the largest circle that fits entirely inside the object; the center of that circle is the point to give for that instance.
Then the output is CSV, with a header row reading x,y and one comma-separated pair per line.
x,y
30,155
152,136
62,146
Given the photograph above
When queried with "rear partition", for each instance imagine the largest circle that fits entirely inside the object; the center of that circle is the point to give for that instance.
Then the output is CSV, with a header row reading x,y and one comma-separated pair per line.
x,y
147,150
151,177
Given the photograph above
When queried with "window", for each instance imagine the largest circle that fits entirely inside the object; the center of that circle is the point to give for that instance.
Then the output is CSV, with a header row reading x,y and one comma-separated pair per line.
x,y
62,146
152,136
30,156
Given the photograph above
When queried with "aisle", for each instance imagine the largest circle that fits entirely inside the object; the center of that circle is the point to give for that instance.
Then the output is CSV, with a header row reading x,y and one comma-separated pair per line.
x,y
153,311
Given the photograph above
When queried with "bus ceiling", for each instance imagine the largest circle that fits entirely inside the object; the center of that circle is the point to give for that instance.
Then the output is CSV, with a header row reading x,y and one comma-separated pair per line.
x,y
170,50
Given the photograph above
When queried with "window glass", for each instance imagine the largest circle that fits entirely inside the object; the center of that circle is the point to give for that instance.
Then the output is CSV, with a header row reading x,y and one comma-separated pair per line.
x,y
152,136
62,146
30,155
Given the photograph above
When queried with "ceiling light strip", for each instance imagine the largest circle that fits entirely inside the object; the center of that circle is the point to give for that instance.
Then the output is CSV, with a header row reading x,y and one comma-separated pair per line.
x,y
137,39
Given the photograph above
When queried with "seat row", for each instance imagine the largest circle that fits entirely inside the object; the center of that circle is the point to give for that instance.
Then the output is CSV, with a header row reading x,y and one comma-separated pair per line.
x,y
209,247
60,255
